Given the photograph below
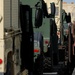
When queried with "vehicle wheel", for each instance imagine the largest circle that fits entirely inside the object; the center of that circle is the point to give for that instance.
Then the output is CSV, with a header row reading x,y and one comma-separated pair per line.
x,y
38,66
10,65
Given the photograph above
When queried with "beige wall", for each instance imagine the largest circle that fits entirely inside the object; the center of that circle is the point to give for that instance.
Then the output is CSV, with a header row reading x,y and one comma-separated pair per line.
x,y
58,16
70,7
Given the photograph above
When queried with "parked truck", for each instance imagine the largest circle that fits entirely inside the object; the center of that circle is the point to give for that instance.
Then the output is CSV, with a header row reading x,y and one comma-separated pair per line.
x,y
28,40
10,38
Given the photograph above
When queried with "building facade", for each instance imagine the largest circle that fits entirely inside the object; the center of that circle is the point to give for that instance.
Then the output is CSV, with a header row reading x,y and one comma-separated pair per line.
x,y
69,7
58,14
